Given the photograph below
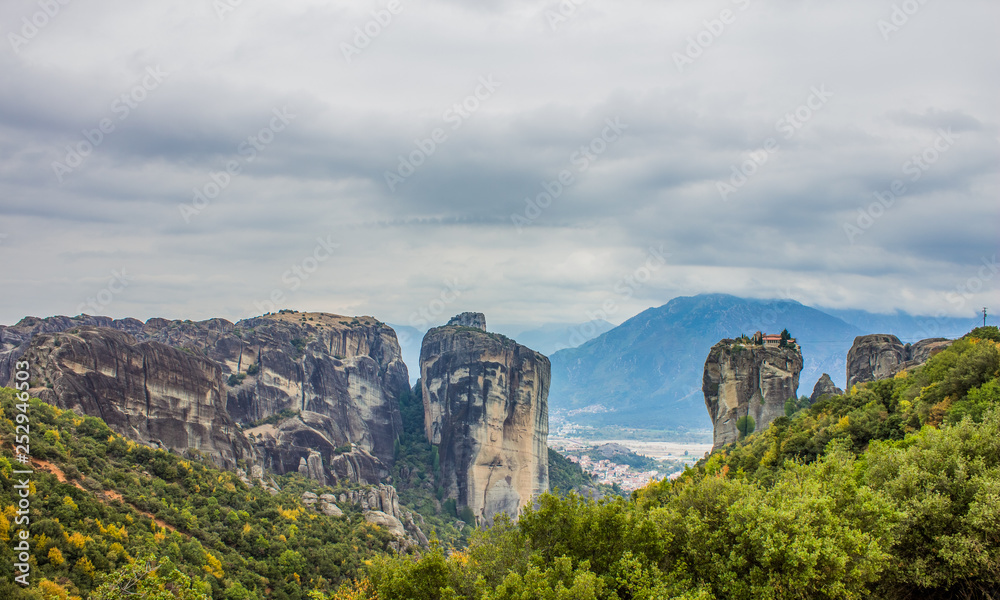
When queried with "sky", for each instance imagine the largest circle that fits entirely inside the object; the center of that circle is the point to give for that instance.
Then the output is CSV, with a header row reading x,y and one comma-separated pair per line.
x,y
535,161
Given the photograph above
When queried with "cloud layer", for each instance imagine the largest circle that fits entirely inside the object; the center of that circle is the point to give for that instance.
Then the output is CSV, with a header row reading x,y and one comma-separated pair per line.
x,y
220,154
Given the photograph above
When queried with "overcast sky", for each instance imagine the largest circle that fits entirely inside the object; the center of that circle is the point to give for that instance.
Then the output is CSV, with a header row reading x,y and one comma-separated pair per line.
x,y
488,104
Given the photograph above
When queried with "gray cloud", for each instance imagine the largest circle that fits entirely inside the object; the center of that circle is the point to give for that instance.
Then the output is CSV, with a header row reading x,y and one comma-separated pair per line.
x,y
323,176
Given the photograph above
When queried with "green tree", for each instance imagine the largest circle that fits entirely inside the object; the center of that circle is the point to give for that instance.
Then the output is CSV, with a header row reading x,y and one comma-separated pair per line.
x,y
745,426
149,579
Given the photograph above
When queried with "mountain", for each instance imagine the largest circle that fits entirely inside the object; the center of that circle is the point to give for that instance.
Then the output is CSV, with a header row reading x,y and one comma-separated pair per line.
x,y
647,372
553,337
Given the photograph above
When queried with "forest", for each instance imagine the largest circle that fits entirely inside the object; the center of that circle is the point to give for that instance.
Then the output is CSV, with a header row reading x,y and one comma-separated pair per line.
x,y
889,491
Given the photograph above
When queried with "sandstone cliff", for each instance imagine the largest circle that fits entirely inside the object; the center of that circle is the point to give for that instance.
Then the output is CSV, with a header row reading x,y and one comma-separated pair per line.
x,y
486,409
824,387
14,340
741,380
880,356
339,376
144,390
326,384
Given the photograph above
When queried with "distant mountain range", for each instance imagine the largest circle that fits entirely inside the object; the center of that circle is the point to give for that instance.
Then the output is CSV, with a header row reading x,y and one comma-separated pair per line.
x,y
646,373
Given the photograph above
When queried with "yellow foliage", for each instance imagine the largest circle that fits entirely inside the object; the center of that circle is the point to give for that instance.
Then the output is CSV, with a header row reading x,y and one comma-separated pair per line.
x,y
213,566
159,536
901,375
53,591
291,515
113,531
4,529
117,551
460,558
84,566
55,556
356,590
246,528
77,539
844,422
68,503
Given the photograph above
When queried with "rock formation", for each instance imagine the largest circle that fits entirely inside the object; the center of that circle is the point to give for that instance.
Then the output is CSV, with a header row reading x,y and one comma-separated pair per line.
x,y
486,410
380,506
880,356
144,390
14,340
469,319
741,380
321,389
824,387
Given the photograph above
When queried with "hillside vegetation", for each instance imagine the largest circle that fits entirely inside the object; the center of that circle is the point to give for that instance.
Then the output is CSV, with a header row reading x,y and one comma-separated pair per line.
x,y
891,491
105,509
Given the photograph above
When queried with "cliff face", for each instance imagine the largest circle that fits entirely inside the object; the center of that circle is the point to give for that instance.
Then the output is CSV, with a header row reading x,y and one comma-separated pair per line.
x,y
328,383
486,409
341,375
144,390
14,340
741,379
880,356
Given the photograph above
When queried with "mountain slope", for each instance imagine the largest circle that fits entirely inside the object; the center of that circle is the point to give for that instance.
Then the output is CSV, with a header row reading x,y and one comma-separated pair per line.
x,y
648,369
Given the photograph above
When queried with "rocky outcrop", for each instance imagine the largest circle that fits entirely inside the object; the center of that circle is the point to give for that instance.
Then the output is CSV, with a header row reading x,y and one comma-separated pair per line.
x,y
346,371
14,340
486,410
880,356
380,506
825,387
469,319
325,384
741,380
144,390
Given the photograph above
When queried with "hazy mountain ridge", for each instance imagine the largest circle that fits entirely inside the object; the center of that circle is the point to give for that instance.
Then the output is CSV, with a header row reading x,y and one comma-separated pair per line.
x,y
648,370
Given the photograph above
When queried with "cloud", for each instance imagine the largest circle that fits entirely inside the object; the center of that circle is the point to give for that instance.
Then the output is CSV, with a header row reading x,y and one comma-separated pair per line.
x,y
323,174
